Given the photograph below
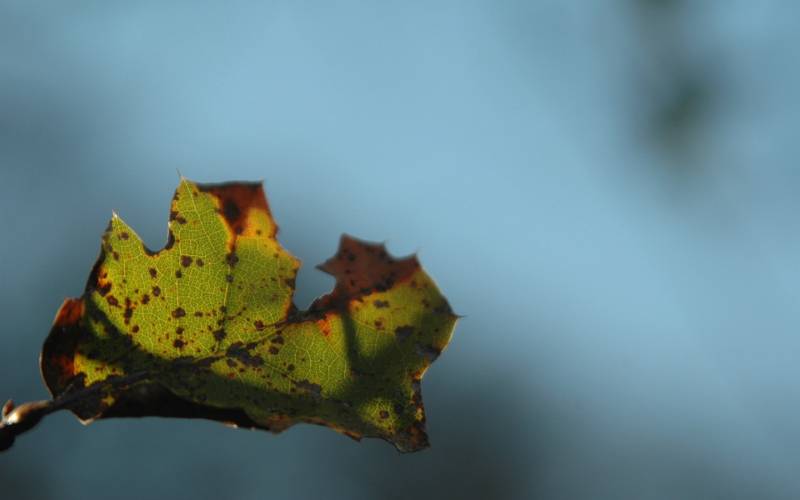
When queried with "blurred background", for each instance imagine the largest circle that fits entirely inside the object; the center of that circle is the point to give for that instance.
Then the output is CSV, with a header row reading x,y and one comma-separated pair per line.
x,y
608,191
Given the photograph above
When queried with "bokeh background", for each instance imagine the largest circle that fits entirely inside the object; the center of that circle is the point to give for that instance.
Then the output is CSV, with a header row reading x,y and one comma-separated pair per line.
x,y
608,191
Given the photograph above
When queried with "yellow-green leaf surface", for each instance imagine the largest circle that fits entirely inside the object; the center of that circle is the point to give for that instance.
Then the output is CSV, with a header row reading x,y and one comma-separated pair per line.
x,y
206,327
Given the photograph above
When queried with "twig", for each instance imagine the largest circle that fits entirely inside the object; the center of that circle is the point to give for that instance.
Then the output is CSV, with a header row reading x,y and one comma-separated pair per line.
x,y
19,419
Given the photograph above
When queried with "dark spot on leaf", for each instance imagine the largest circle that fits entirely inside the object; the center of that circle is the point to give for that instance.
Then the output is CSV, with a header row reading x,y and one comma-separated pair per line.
x,y
115,255
384,414
200,262
220,335
103,290
428,352
186,261
198,314
179,343
290,367
242,354
128,314
179,330
230,210
178,274
178,313
170,240
290,282
124,235
112,301
277,340
135,328
380,304
145,299
273,350
156,291
229,278
231,259
403,332
259,325
314,389
153,272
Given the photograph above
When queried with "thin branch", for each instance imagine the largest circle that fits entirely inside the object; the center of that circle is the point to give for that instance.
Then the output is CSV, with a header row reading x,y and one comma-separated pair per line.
x,y
19,419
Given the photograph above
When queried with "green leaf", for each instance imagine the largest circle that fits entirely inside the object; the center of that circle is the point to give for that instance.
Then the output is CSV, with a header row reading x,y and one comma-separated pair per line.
x,y
207,328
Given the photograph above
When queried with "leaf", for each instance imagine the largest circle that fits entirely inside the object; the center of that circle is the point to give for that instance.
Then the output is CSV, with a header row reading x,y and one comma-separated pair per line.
x,y
206,328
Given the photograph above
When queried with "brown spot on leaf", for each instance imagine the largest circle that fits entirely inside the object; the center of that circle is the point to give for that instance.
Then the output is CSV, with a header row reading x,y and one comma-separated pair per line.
x,y
220,335
178,313
179,343
313,389
429,352
178,274
241,353
145,299
186,261
112,301
200,262
416,437
153,272
128,314
124,235
156,291
170,240
381,304
70,313
324,325
259,325
403,332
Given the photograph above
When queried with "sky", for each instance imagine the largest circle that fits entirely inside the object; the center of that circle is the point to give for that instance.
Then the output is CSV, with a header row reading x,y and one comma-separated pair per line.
x,y
606,191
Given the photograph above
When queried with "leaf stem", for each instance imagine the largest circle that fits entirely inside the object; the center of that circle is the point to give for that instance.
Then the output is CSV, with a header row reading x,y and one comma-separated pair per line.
x,y
19,419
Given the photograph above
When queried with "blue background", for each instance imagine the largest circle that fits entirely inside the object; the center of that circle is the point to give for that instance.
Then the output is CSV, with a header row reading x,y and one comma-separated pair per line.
x,y
607,190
